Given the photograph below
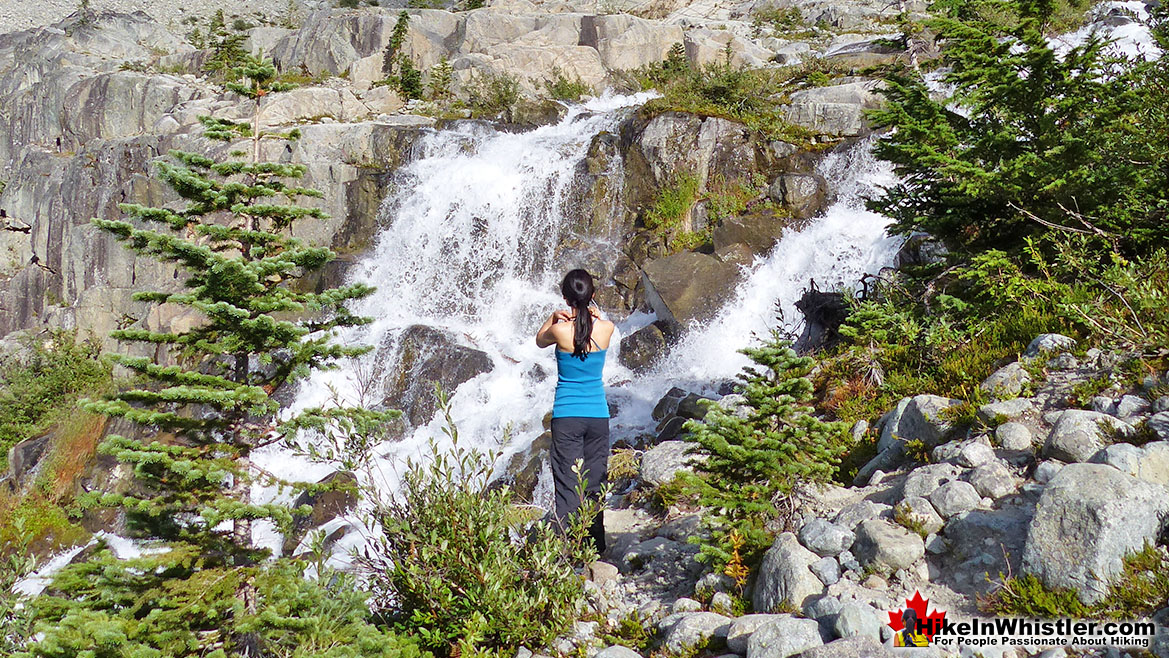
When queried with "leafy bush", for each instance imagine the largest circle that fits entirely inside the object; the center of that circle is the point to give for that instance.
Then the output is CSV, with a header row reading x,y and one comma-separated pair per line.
x,y
492,94
37,392
761,455
563,88
15,617
456,566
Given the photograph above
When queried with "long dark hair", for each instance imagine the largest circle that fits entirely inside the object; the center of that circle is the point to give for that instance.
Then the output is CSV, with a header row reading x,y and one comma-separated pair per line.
x,y
578,290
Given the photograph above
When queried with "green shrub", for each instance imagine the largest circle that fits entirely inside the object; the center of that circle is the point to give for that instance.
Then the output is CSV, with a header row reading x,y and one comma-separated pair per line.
x,y
42,390
493,94
439,84
563,88
456,567
15,617
761,455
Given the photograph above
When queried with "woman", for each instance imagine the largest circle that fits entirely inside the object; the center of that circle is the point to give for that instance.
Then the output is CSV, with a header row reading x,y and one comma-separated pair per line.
x,y
580,415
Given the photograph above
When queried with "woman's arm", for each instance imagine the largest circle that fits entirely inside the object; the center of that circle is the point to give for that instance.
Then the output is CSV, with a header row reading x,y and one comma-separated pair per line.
x,y
545,337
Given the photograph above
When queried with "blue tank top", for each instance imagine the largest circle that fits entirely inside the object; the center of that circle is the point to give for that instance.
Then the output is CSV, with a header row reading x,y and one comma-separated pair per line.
x,y
579,391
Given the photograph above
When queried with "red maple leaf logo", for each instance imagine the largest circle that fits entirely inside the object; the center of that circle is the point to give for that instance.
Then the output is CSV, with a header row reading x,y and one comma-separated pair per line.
x,y
929,623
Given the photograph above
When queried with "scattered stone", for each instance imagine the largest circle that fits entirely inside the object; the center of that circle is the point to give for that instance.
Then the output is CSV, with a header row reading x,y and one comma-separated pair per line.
x,y
974,453
925,480
1124,457
1007,409
954,498
824,538
849,647
742,628
848,561
924,419
827,569
1103,404
850,515
661,463
697,629
785,578
857,619
783,638
1154,463
1162,404
1159,423
1078,435
685,605
616,651
887,546
823,608
993,480
1006,382
722,603
936,544
603,572
668,405
887,425
1063,362
1047,470
875,582
1013,436
1049,343
919,511
1131,405
1088,519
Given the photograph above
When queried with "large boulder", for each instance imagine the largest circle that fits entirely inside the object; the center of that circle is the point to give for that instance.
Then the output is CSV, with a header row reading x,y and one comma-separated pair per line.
x,y
783,638
824,538
743,627
1089,517
836,110
427,356
1079,434
785,577
757,230
663,462
926,419
886,546
642,348
338,496
857,646
688,287
697,629
984,543
1006,382
803,194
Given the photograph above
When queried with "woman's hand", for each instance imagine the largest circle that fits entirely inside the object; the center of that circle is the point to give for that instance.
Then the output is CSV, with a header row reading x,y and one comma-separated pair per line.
x,y
560,316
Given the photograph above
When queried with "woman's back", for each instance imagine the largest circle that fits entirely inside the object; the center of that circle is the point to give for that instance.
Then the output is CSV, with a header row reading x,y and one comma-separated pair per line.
x,y
580,390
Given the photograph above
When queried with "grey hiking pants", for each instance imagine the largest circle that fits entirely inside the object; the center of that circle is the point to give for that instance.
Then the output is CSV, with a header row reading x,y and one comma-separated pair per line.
x,y
586,439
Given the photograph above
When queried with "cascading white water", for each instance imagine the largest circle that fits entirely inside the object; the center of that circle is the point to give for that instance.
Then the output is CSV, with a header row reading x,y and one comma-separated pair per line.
x,y
473,224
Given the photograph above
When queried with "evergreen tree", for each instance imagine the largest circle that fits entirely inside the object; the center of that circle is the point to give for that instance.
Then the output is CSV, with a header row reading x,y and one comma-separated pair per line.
x,y
397,38
1030,142
761,453
226,44
201,589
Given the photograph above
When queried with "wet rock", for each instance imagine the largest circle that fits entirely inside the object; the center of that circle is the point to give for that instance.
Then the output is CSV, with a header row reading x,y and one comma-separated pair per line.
x,y
641,349
23,456
1088,519
757,230
803,194
687,287
326,505
824,538
692,408
429,356
783,638
1079,434
920,249
887,546
785,577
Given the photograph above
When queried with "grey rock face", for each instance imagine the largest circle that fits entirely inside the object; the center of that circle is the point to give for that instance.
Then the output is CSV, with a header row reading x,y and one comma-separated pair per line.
x,y
1049,343
850,515
617,651
1078,435
803,194
887,546
824,538
1088,519
661,463
1006,382
696,629
979,543
742,628
973,453
1046,470
857,620
835,110
1159,423
783,638
924,419
1013,436
1124,457
785,576
1131,405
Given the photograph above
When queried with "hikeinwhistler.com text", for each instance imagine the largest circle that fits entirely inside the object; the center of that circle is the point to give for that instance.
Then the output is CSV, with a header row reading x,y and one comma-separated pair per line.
x,y
1024,632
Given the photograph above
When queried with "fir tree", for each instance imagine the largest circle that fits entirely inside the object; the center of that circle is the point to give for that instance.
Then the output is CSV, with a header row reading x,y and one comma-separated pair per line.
x,y
226,46
759,455
201,589
397,39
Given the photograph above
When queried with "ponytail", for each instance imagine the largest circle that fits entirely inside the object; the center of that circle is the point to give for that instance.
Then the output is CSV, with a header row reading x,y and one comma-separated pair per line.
x,y
578,289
